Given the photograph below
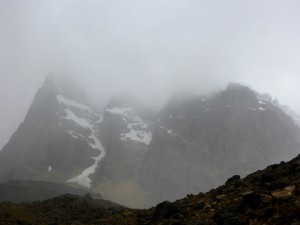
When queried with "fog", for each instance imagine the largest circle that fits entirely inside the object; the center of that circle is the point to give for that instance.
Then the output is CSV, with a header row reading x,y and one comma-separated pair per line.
x,y
147,49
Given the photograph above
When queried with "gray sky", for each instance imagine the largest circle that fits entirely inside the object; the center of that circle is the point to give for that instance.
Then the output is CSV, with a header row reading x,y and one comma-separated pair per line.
x,y
149,48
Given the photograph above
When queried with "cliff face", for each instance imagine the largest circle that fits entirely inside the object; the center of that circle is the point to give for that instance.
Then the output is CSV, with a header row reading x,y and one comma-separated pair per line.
x,y
54,142
126,137
199,143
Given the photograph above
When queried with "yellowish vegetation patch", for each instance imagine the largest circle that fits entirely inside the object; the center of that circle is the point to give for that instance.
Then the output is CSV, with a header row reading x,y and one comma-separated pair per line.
x,y
127,193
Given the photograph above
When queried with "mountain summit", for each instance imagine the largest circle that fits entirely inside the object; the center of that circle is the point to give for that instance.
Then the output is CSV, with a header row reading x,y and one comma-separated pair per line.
x,y
57,139
128,152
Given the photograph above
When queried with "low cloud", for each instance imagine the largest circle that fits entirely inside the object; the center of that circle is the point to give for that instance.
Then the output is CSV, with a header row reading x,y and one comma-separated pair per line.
x,y
149,49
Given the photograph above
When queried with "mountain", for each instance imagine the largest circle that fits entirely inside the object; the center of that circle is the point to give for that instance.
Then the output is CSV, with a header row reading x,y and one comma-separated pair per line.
x,y
269,196
56,140
126,137
199,142
139,157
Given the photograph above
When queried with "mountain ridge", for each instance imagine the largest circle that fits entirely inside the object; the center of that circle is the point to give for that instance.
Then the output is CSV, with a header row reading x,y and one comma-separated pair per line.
x,y
191,144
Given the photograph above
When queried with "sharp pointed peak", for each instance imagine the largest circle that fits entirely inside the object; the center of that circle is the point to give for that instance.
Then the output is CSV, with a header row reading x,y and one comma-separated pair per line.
x,y
66,86
49,80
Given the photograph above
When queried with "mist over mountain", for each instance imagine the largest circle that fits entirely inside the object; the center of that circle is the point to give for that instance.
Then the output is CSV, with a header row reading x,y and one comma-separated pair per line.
x,y
147,49
137,156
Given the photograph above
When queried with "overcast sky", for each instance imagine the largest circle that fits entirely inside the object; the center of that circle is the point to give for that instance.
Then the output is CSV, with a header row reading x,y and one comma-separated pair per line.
x,y
149,48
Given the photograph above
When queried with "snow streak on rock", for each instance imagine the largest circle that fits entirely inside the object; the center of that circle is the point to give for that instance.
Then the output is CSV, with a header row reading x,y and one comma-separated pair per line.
x,y
62,100
84,177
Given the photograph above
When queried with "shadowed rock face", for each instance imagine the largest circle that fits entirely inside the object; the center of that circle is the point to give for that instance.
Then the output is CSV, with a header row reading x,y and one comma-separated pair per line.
x,y
190,145
199,143
45,145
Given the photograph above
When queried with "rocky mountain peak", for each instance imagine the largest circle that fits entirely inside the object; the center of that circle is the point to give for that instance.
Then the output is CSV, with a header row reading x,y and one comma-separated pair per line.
x,y
237,95
65,86
49,81
192,144
58,140
237,87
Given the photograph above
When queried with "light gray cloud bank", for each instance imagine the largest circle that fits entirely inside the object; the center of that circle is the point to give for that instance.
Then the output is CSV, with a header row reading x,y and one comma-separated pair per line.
x,y
146,48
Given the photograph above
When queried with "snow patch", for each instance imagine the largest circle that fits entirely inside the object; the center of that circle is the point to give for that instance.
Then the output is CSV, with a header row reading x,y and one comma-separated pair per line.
x,y
77,135
121,111
261,109
139,136
83,178
137,129
262,103
80,121
62,100
251,108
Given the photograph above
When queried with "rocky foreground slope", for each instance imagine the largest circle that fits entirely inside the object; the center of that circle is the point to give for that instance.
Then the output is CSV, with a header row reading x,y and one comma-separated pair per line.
x,y
270,196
